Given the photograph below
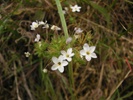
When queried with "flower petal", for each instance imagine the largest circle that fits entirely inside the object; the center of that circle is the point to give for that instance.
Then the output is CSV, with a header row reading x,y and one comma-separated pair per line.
x,y
54,67
61,58
88,58
82,52
86,47
63,52
93,55
61,69
64,63
69,51
55,60
92,49
69,59
72,54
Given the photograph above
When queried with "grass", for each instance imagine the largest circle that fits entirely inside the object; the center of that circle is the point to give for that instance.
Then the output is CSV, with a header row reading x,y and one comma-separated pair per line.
x,y
105,24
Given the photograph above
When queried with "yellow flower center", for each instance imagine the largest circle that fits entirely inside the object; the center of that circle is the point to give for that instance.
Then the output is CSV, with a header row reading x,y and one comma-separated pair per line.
x,y
59,63
67,55
87,52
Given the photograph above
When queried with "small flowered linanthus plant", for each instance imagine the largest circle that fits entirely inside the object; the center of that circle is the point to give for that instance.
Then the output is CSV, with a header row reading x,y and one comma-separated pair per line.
x,y
27,54
59,63
75,8
88,52
67,55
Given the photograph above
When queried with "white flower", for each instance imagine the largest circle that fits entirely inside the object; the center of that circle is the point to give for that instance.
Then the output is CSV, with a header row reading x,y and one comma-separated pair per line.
x,y
41,23
88,52
37,39
65,10
27,54
78,30
59,63
46,26
67,55
55,28
34,25
75,8
69,39
45,70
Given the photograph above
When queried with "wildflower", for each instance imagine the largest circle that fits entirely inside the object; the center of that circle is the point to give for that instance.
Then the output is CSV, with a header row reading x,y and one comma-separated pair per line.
x,y
45,70
75,8
67,55
88,52
68,40
46,26
27,54
65,10
37,39
59,63
78,30
34,25
55,28
41,23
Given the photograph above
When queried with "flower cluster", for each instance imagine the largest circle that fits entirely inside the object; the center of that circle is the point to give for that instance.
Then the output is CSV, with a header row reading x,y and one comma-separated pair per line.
x,y
36,24
62,60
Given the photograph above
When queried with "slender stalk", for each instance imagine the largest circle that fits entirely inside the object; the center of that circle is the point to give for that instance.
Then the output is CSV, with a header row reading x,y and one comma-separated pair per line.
x,y
63,21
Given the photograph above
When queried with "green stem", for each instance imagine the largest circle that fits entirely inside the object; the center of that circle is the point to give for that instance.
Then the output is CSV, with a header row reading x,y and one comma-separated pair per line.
x,y
71,79
63,21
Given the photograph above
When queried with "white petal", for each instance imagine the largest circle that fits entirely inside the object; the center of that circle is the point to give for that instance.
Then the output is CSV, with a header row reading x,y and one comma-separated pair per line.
x,y
92,49
72,54
61,69
88,58
86,47
69,59
54,67
82,52
63,52
54,59
93,55
61,58
64,63
69,51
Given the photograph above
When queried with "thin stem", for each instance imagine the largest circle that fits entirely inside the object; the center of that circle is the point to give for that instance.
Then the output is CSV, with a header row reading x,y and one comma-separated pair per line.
x,y
63,21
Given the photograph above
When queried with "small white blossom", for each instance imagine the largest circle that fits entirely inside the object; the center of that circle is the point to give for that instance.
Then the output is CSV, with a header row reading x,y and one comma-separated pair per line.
x,y
88,52
59,63
37,39
78,30
34,25
41,23
46,26
75,8
27,54
55,28
67,55
65,10
45,70
68,40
